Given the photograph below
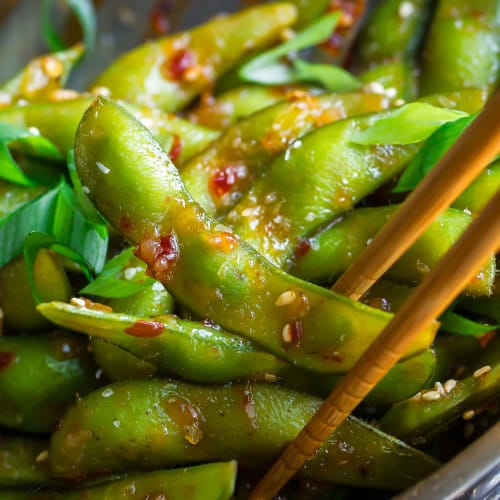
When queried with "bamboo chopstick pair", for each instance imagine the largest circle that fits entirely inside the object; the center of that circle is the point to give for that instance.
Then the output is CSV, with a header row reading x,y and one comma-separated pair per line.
x,y
476,147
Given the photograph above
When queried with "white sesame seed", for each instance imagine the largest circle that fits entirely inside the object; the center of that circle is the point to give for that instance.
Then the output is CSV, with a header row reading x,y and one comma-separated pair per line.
x,y
116,423
270,378
102,167
107,392
449,385
76,301
391,92
417,396
468,415
285,298
34,131
438,386
482,371
42,456
85,189
399,102
286,333
406,9
374,88
431,396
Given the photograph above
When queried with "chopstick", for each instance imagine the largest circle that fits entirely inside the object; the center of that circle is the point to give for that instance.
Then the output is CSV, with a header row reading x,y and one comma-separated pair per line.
x,y
476,147
463,162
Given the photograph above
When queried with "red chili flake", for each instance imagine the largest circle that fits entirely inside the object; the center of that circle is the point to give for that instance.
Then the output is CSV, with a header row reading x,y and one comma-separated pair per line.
x,y
302,248
176,148
158,18
223,180
144,328
160,255
335,357
485,339
179,63
6,359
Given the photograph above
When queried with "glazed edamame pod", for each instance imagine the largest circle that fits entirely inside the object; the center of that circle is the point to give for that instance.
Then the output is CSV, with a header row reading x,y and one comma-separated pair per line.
x,y
220,112
391,57
57,121
332,251
17,301
207,267
319,177
22,462
191,350
41,78
213,481
151,424
481,190
39,377
201,354
419,418
168,73
221,174
462,48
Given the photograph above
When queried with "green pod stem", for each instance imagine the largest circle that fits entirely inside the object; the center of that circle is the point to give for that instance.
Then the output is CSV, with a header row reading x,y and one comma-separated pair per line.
x,y
168,73
42,77
40,377
331,252
119,364
58,121
219,176
215,481
208,268
418,420
190,350
481,190
22,462
200,354
17,302
462,48
150,424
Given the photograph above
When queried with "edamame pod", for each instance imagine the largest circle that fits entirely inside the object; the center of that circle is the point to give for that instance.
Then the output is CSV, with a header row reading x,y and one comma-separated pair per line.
x,y
40,377
58,121
201,354
463,46
220,175
207,267
419,418
168,73
41,78
190,350
17,302
331,252
150,424
213,481
23,462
